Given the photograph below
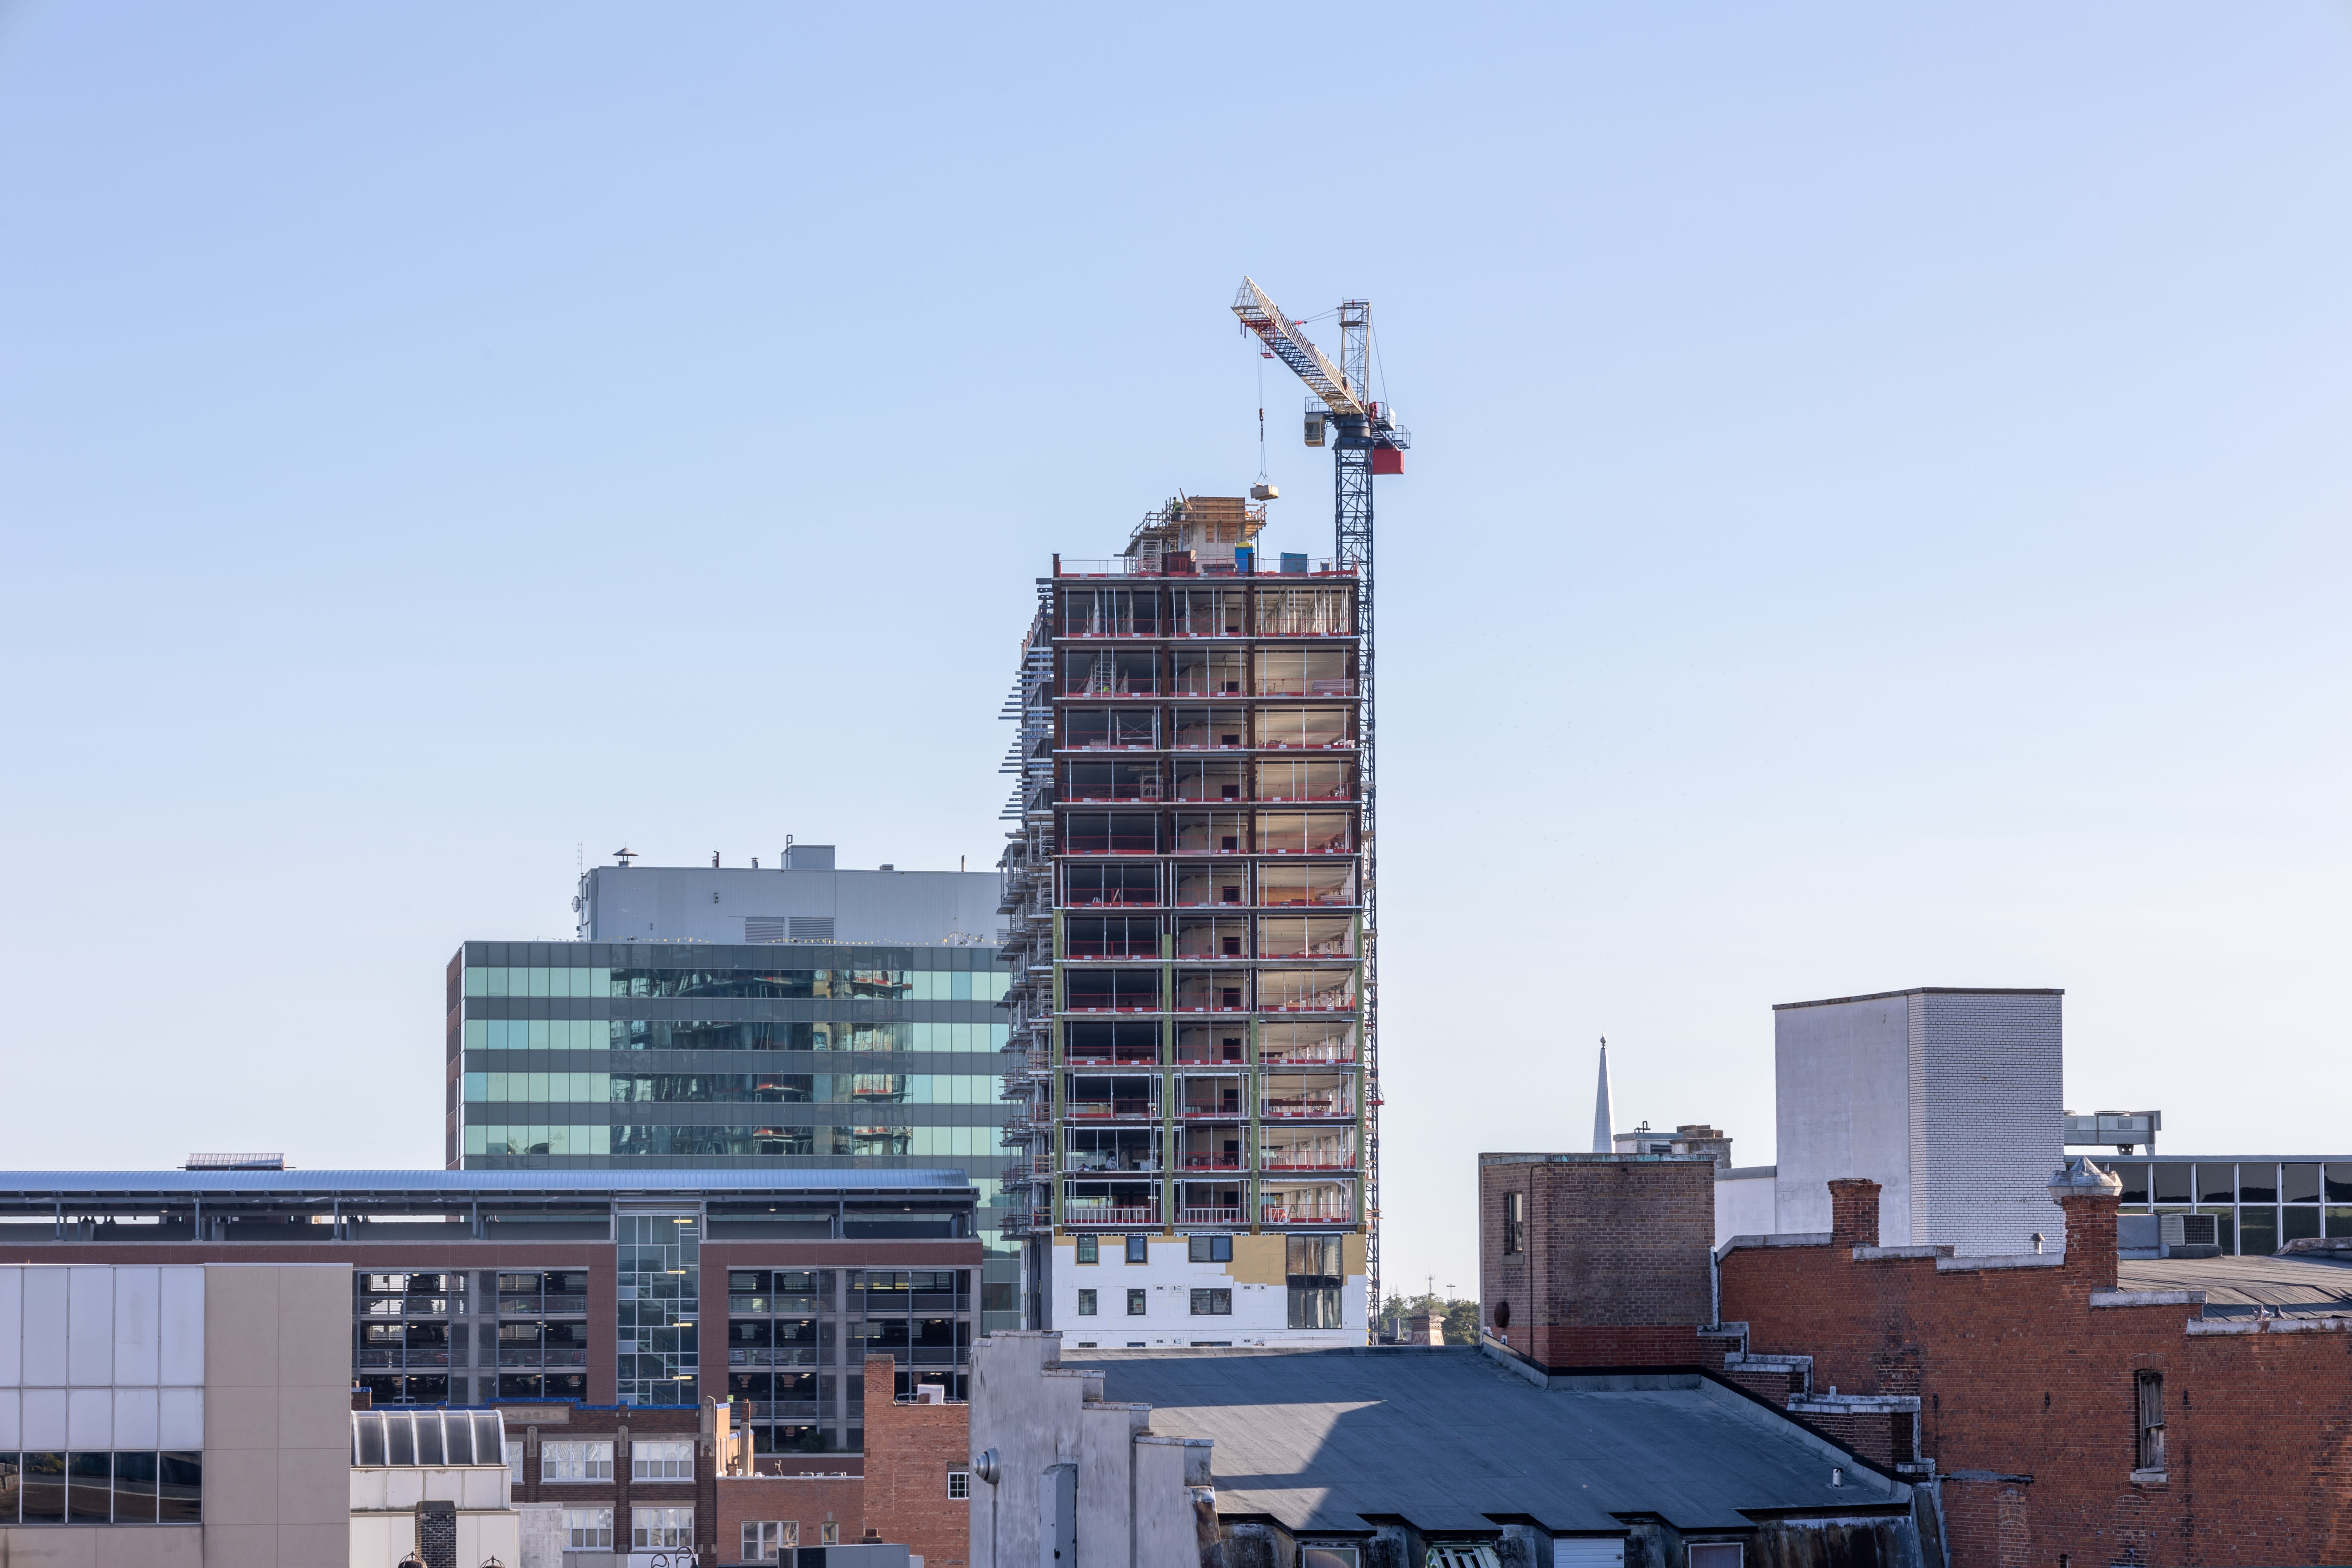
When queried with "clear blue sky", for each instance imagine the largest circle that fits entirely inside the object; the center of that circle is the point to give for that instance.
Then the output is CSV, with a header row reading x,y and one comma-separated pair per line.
x,y
1878,518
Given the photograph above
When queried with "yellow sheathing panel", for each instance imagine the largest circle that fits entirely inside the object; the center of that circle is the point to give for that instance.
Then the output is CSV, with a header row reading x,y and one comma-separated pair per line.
x,y
1259,1260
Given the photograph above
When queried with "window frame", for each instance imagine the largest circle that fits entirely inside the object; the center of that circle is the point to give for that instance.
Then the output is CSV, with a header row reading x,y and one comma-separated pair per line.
x,y
1514,1223
958,1486
673,1520
667,1451
590,1453
1088,1304
1218,1302
1089,1250
599,1523
1138,1302
2147,1421
767,1540
1139,1247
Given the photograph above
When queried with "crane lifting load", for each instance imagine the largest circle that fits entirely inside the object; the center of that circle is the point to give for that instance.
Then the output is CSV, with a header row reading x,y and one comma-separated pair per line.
x,y
1366,440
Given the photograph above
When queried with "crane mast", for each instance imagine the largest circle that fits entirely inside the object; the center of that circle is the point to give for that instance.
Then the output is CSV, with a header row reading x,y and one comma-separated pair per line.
x,y
1365,441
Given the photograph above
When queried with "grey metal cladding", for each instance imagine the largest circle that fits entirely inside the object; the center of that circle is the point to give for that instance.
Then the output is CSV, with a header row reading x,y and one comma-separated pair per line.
x,y
1323,1440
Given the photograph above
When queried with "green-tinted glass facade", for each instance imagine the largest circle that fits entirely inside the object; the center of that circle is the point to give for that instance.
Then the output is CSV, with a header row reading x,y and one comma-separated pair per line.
x,y
589,1055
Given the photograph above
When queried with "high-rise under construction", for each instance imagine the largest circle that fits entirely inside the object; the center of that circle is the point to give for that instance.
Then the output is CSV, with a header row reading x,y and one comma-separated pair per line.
x,y
1185,894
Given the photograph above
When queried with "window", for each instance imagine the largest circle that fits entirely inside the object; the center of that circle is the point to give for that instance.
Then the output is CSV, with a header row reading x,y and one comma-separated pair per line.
x,y
828,1534
1315,1281
661,1529
1212,1303
1134,1308
1139,1249
1462,1555
958,1486
576,1461
1086,1303
1327,1557
765,1540
1515,1223
1714,1554
588,1530
179,1486
1089,1250
1212,1248
661,1461
2150,1392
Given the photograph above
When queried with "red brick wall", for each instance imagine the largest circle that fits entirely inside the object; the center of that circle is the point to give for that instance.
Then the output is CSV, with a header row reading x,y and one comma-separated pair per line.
x,y
2019,1376
1614,1270
909,1449
811,1501
620,1492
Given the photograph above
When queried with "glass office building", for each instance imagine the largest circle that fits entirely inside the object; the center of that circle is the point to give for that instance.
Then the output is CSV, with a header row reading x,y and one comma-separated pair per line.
x,y
2257,1204
788,1055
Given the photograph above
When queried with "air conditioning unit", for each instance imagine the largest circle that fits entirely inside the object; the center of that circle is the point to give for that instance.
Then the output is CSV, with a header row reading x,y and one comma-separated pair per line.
x,y
2191,1235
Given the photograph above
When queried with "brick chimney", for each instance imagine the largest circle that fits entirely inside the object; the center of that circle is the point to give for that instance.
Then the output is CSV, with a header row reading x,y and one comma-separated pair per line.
x,y
2088,1195
1854,1212
436,1533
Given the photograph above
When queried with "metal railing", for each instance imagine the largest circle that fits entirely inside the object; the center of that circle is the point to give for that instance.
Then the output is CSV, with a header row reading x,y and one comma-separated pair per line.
x,y
764,1305
1272,1214
1315,1108
1140,1214
1313,1056
1270,686
1151,567
1111,1111
1209,1216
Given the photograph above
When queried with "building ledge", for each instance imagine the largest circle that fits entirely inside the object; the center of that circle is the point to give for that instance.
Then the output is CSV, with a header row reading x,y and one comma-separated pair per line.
x,y
2148,1477
1786,1238
2270,1326
1851,1403
2018,1260
1803,1364
1746,1172
2148,1298
1874,1254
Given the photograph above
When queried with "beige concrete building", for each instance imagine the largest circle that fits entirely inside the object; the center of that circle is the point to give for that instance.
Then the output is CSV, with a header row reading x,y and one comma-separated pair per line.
x,y
174,1416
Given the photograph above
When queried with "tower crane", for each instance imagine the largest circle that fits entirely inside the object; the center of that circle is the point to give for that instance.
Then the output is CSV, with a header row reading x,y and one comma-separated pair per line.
x,y
1365,441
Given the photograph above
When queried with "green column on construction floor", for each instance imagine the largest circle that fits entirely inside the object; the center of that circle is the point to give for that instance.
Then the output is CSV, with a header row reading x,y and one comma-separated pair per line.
x,y
1164,1072
1252,1088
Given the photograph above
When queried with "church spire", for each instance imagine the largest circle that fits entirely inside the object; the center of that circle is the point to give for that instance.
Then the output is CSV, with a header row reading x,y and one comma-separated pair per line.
x,y
1604,1118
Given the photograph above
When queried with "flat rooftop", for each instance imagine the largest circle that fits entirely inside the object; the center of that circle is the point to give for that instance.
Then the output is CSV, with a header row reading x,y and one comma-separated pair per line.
x,y
618,1183
1928,991
1448,1439
2307,1287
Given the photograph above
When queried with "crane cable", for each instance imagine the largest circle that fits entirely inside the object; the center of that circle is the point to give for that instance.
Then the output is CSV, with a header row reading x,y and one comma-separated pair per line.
x,y
1263,355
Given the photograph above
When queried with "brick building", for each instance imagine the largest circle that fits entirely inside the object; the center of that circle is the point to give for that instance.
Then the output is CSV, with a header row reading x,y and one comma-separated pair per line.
x,y
912,1487
2052,1418
628,1478
632,1288
2067,1421
1598,1260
